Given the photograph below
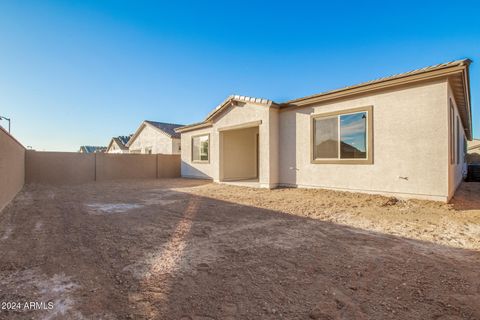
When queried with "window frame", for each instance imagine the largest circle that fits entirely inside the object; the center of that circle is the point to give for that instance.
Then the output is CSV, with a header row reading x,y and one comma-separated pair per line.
x,y
337,114
191,147
452,133
458,140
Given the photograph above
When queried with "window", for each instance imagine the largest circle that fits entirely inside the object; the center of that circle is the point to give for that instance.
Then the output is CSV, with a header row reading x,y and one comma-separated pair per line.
x,y
200,148
343,137
458,140
452,134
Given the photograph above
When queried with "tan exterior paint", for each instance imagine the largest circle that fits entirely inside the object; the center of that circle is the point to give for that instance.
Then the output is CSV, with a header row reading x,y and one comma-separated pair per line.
x,y
409,139
12,167
59,167
239,154
236,116
408,132
191,169
64,168
410,148
151,139
168,166
125,166
457,170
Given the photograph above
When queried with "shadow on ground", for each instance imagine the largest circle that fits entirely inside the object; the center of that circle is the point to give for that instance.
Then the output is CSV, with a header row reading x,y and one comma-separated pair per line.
x,y
147,250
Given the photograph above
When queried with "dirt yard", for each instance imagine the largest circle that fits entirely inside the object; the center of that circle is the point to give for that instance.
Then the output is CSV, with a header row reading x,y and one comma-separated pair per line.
x,y
184,249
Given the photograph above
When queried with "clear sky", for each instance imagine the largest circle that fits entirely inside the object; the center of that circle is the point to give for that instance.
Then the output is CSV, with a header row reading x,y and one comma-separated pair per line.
x,y
79,72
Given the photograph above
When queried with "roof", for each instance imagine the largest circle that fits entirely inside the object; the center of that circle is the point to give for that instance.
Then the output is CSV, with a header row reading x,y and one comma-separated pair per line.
x,y
455,71
384,79
92,149
168,128
163,127
231,100
121,141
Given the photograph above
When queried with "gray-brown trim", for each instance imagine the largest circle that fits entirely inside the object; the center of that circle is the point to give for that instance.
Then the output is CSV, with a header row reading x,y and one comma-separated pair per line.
x,y
194,126
369,160
244,125
451,131
191,148
421,74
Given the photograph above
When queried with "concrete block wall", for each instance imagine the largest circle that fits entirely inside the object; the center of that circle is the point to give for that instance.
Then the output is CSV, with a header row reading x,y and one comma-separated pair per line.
x,y
12,167
73,168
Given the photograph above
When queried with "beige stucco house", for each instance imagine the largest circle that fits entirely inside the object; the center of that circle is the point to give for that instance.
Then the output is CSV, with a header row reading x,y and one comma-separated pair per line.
x,y
154,137
402,135
118,144
473,150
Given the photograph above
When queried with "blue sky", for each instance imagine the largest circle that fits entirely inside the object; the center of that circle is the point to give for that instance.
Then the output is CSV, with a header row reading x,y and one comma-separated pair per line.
x,y
80,72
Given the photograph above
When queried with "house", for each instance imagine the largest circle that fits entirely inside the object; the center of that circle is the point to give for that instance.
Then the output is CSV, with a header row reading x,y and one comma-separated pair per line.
x,y
401,135
92,149
118,144
155,137
473,151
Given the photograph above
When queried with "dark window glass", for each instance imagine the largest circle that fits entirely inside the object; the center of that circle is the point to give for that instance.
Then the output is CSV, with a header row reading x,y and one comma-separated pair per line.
x,y
326,138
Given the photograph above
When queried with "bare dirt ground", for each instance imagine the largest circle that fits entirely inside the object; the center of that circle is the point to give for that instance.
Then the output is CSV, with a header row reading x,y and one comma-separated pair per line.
x,y
183,249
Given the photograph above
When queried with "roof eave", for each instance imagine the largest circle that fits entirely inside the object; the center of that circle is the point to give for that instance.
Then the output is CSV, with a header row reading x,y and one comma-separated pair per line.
x,y
194,126
363,88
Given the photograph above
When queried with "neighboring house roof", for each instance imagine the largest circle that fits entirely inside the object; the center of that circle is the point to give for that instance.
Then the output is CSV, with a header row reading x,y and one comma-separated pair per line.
x,y
166,128
456,71
474,144
121,141
92,149
231,100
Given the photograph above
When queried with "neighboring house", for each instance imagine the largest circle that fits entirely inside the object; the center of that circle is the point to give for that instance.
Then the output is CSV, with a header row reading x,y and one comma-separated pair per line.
x,y
118,144
402,136
473,152
155,137
92,149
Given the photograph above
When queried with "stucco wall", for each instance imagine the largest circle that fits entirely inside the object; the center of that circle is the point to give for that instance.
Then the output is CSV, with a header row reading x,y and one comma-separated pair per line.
x,y
232,116
12,167
455,170
115,148
63,168
176,146
154,139
239,153
125,166
191,169
59,167
409,140
168,165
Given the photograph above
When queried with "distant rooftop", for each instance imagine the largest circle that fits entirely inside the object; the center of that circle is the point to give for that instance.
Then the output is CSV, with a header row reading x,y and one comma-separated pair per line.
x,y
168,128
92,149
122,141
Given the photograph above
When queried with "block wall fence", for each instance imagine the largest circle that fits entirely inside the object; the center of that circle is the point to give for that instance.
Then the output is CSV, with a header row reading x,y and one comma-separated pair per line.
x,y
19,166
